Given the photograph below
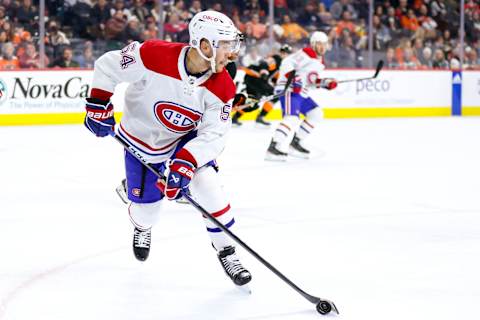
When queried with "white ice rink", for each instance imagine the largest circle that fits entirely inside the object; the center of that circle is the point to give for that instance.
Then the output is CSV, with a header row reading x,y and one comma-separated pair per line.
x,y
386,224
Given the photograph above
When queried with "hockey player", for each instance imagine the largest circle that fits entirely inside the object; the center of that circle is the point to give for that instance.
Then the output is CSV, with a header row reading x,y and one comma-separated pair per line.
x,y
259,82
176,114
307,67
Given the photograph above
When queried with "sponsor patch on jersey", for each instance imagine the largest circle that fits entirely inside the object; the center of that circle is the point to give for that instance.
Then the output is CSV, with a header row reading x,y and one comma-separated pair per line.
x,y
136,192
175,117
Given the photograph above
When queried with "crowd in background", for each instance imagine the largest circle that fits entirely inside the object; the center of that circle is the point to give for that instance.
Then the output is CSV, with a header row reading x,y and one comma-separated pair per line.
x,y
407,34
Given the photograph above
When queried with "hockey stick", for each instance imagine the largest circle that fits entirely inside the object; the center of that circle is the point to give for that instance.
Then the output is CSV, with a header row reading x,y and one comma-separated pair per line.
x,y
290,78
323,306
377,71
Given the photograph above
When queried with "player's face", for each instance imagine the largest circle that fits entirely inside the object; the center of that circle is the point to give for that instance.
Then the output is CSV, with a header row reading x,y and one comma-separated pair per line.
x,y
321,48
225,50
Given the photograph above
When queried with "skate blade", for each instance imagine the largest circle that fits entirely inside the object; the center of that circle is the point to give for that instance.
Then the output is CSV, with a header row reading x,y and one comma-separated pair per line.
x,y
300,155
244,289
272,157
121,193
262,126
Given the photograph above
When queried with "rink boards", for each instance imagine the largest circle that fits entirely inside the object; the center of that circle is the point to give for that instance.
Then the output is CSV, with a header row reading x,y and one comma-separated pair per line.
x,y
56,96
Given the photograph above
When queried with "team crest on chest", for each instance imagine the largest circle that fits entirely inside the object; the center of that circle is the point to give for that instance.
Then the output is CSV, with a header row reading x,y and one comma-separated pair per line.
x,y
175,117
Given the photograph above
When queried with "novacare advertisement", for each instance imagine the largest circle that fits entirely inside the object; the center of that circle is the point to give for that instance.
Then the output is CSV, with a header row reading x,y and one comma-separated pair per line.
x,y
26,92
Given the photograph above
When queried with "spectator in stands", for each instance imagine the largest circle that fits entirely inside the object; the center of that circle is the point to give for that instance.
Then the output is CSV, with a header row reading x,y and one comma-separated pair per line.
x,y
55,40
393,23
9,31
427,23
175,27
346,55
345,24
426,58
280,9
178,8
254,28
80,17
409,22
119,5
380,13
308,18
9,61
238,23
439,61
99,16
115,27
409,59
253,7
25,14
195,7
390,60
30,59
10,7
339,7
66,60
292,31
87,60
133,31
139,11
3,16
325,17
438,11
381,34
402,9
3,38
151,31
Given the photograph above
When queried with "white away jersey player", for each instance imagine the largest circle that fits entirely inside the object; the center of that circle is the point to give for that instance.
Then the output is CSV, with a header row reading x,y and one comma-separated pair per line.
x,y
308,67
163,102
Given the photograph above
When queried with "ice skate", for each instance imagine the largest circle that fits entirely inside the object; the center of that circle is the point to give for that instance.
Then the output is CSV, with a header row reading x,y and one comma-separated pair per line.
x,y
260,122
122,191
232,266
235,120
274,154
297,150
141,243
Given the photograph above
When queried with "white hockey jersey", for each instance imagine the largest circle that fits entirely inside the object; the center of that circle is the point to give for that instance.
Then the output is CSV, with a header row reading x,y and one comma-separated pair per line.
x,y
163,102
308,67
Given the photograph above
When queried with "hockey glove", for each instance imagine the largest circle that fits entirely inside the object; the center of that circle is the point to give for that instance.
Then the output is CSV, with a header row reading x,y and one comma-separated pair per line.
x,y
239,100
99,118
327,83
178,176
243,103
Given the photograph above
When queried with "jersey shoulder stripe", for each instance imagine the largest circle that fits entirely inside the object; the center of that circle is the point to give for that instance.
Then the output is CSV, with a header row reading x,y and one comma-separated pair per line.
x,y
221,85
161,57
310,52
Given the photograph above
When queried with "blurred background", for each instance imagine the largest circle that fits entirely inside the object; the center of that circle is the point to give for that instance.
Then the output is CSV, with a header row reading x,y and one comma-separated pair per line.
x,y
407,34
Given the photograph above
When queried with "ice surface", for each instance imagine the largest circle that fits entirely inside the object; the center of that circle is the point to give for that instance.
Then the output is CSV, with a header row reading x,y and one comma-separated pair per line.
x,y
384,220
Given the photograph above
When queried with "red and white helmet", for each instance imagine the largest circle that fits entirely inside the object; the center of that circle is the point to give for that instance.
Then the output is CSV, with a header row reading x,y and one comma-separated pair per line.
x,y
318,36
214,27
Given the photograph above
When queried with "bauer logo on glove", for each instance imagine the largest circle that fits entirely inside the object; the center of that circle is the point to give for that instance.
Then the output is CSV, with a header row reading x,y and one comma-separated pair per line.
x,y
100,117
178,176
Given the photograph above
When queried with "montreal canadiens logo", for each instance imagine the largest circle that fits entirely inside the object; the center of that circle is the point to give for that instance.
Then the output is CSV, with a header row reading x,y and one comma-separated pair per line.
x,y
175,117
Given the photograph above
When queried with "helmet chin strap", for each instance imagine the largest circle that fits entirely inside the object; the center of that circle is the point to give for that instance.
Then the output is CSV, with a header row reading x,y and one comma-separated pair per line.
x,y
212,58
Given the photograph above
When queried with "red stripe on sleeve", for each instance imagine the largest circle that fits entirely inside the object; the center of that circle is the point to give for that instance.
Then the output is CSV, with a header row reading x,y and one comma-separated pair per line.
x,y
184,154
